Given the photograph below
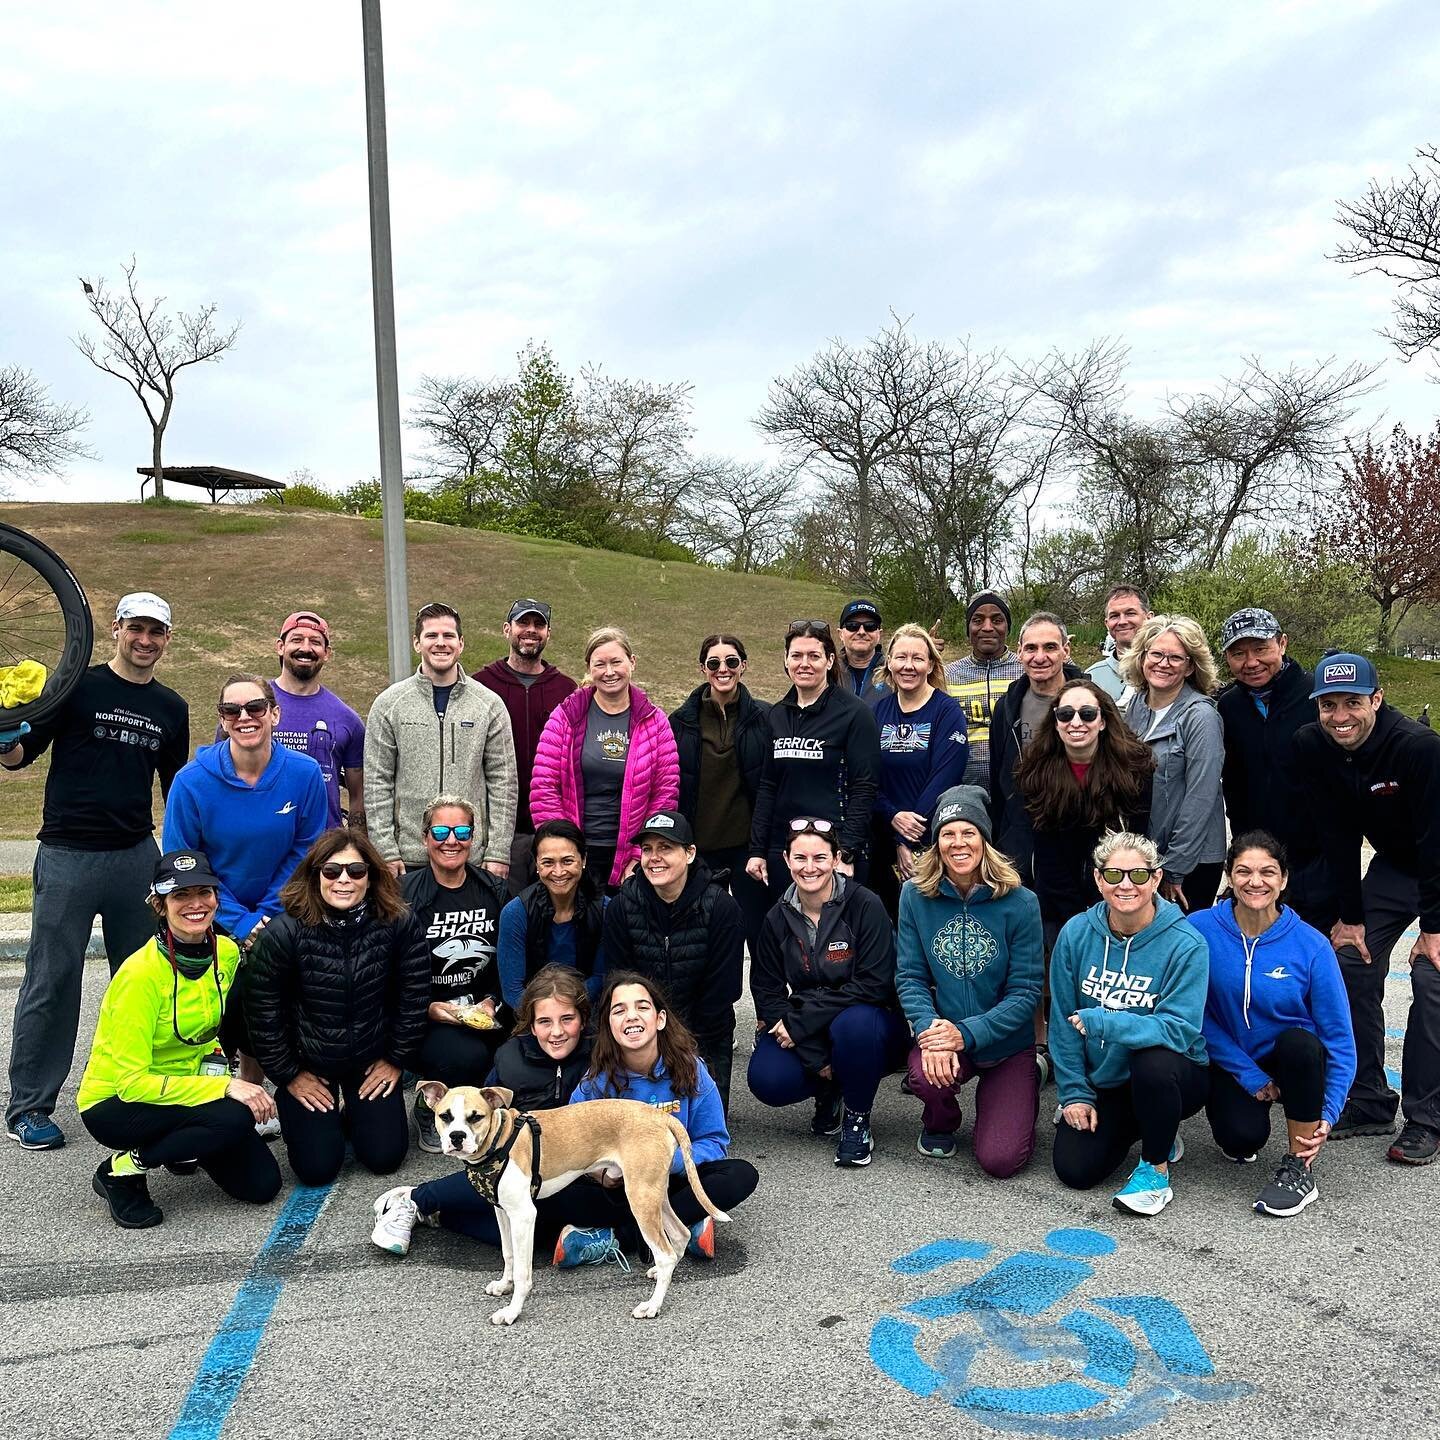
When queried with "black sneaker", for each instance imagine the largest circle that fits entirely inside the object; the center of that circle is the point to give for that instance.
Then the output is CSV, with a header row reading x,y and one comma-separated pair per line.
x,y
856,1144
826,1119
1418,1145
182,1167
429,1131
1043,1065
128,1197
1352,1123
1292,1189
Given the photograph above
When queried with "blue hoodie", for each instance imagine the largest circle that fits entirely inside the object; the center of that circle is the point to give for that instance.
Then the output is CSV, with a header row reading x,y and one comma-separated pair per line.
x,y
976,962
254,835
1130,994
701,1114
1286,979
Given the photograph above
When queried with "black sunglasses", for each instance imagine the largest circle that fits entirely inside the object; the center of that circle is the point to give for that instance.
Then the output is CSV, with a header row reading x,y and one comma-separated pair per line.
x,y
1140,875
1066,713
798,627
355,869
253,708
730,662
868,626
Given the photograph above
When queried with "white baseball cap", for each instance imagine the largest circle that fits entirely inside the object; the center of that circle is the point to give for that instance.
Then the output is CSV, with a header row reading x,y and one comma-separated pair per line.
x,y
142,605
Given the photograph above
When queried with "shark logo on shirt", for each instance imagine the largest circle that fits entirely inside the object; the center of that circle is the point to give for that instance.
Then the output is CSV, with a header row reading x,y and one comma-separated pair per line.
x,y
286,808
1279,973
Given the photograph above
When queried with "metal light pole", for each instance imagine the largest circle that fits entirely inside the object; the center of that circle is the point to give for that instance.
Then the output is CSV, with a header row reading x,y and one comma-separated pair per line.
x,y
387,385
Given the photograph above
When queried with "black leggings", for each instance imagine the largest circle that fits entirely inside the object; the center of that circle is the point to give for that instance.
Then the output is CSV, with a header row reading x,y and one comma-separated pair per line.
x,y
1240,1122
589,1205
219,1134
458,1055
1200,886
1164,1089
378,1129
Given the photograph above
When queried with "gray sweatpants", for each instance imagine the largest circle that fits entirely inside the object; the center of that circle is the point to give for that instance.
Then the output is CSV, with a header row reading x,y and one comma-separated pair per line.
x,y
72,887
1392,903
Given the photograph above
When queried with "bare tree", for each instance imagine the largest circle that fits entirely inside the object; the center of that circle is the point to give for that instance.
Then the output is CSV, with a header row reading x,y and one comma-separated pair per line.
x,y
146,348
38,435
633,438
1396,230
739,514
465,422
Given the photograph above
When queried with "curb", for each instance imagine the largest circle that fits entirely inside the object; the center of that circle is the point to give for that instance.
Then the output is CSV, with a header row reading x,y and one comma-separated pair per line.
x,y
15,943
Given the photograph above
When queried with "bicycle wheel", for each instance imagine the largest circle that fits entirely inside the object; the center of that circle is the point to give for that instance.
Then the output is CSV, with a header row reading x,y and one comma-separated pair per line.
x,y
45,617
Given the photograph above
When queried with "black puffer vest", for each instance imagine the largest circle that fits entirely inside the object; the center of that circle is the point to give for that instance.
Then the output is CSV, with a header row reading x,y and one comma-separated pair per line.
x,y
540,915
673,948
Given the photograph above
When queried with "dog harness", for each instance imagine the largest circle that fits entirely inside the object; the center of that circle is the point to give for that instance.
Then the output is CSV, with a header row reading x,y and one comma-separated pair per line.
x,y
484,1173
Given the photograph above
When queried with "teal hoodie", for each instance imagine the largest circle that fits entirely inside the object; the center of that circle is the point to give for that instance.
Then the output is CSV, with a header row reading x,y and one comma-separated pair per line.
x,y
975,962
1147,991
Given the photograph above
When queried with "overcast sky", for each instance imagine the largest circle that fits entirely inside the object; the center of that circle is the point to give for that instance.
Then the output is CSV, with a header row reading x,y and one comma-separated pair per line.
x,y
696,192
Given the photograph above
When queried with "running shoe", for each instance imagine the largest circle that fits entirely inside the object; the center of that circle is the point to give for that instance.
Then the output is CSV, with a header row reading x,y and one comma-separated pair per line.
x,y
588,1247
1146,1192
128,1197
937,1144
1292,1189
425,1124
701,1244
1417,1145
826,1119
395,1217
856,1143
35,1130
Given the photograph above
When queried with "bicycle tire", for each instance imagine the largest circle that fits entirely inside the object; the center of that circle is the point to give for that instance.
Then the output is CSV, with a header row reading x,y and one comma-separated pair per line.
x,y
79,638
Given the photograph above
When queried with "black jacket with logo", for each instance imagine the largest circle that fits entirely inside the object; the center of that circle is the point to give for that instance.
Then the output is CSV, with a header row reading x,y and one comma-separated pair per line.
x,y
1388,792
851,962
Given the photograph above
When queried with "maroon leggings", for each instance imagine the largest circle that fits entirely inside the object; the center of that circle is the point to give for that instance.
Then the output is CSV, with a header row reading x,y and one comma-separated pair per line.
x,y
1007,1099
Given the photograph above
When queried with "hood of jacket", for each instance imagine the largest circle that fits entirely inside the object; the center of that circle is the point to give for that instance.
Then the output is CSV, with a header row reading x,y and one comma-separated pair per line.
x,y
1187,699
747,708
577,704
215,761
696,883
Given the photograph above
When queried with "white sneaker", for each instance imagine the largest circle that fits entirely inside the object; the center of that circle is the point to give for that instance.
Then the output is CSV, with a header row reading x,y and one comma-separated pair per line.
x,y
269,1129
1146,1192
395,1217
1177,1150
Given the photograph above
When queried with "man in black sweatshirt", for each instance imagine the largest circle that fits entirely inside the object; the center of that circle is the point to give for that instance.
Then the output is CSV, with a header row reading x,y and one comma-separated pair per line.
x,y
1366,771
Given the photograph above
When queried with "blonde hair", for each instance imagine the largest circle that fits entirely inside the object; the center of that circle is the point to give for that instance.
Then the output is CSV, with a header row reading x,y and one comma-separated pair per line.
x,y
911,631
608,635
1191,638
1114,841
996,870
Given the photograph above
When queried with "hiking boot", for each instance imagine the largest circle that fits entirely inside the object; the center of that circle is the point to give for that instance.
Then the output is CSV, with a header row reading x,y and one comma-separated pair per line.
x,y
1417,1145
128,1197
856,1143
701,1244
1292,1189
1146,1192
588,1247
937,1144
1352,1123
826,1119
35,1130
425,1124
395,1218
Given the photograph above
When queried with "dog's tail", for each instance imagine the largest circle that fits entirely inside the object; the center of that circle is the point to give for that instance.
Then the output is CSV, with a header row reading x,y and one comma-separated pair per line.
x,y
682,1139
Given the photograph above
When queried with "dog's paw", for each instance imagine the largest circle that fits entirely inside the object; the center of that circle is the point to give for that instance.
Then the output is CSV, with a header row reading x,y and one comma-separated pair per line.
x,y
652,1272
646,1310
507,1316
499,1287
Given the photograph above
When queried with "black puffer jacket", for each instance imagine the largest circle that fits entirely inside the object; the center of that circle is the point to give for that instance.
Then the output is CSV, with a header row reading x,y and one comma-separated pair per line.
x,y
537,1081
752,744
540,916
337,996
694,947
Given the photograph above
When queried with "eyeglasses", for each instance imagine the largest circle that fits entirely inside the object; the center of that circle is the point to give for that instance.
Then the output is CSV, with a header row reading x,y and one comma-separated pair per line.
x,y
355,869
1066,713
1166,660
730,662
1140,875
441,833
253,708
802,824
868,626
798,627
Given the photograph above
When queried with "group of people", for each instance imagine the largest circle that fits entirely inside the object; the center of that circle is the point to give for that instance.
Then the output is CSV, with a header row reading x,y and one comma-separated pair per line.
x,y
1001,869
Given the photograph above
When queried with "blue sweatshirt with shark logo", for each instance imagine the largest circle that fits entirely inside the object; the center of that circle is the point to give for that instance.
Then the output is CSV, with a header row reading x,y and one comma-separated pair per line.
x,y
1135,993
253,835
1284,979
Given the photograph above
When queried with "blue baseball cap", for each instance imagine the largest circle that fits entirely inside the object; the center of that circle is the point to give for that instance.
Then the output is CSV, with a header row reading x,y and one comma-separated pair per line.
x,y
1343,674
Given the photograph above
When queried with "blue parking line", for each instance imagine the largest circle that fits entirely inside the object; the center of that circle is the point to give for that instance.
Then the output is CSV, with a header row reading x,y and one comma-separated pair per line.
x,y
232,1352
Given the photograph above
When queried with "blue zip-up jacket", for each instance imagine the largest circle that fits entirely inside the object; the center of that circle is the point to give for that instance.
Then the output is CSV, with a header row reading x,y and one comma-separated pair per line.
x,y
255,835
1130,994
975,962
1285,979
702,1114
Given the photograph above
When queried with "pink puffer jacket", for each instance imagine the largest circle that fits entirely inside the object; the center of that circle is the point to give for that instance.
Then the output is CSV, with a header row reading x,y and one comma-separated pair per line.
x,y
652,769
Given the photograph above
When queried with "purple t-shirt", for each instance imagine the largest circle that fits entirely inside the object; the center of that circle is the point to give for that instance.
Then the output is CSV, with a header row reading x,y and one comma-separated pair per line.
x,y
326,729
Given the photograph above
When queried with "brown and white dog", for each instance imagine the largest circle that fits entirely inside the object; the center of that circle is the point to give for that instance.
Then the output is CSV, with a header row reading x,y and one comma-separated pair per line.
x,y
619,1137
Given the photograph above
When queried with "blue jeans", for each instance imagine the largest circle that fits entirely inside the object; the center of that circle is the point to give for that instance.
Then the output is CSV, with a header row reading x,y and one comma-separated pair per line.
x,y
866,1044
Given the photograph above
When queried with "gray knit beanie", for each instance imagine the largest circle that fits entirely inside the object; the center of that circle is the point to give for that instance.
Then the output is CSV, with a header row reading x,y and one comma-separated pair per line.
x,y
962,802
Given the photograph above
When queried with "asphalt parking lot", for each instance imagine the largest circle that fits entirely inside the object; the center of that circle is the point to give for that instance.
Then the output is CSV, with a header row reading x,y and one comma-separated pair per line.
x,y
1015,1307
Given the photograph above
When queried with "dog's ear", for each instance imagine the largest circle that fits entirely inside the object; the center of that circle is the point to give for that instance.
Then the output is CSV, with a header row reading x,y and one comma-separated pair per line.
x,y
498,1097
434,1092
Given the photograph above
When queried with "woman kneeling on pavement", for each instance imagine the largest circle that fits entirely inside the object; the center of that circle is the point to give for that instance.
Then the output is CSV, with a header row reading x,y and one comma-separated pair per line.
x,y
826,1019
336,997
541,1064
1277,1023
157,1090
968,973
1127,1001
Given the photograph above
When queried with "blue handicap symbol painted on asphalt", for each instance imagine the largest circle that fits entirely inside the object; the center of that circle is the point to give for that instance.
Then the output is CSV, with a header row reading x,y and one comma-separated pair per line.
x,y
1110,1367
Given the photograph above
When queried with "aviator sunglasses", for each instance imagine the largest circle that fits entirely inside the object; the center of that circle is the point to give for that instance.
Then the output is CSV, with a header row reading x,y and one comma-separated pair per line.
x,y
730,662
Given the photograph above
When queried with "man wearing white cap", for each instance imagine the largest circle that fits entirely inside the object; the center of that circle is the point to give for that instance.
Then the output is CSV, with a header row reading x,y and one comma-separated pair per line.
x,y
119,729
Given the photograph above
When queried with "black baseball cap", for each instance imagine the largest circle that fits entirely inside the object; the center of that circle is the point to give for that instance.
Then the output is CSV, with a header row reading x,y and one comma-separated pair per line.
x,y
528,607
181,869
666,825
859,610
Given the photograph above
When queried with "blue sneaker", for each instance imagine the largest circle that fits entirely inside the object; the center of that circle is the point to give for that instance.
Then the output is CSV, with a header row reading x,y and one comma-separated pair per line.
x,y
1146,1192
1177,1150
856,1144
587,1247
701,1244
35,1130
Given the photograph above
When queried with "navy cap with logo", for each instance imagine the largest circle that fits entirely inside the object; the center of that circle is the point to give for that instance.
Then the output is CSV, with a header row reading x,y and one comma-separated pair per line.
x,y
859,610
182,869
666,825
528,607
1249,624
1343,674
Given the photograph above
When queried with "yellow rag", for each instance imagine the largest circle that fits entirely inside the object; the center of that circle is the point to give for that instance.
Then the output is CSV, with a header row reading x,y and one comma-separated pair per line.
x,y
20,684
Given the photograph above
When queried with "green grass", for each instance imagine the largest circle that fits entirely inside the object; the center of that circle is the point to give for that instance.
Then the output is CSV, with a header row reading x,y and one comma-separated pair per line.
x,y
15,894
146,537
236,525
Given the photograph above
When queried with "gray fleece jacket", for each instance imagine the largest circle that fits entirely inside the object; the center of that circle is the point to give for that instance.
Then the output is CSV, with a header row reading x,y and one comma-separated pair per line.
x,y
411,756
1187,814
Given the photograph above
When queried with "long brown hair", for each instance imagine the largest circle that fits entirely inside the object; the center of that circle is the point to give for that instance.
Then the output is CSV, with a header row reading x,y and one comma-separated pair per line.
x,y
301,895
678,1052
1116,780
553,982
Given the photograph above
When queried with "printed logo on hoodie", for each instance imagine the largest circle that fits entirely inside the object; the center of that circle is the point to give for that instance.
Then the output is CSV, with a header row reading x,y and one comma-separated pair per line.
x,y
963,946
1118,990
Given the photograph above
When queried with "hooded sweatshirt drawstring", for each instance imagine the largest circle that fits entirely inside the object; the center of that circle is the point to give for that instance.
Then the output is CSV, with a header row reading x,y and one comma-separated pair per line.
x,y
1249,947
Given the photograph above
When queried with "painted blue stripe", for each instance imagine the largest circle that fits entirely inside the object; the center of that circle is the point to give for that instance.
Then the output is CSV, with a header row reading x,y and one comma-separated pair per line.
x,y
232,1352
1392,1033
1392,1077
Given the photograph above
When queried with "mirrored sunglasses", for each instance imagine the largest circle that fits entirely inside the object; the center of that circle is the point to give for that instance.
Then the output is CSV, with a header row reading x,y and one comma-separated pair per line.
x,y
441,833
1140,875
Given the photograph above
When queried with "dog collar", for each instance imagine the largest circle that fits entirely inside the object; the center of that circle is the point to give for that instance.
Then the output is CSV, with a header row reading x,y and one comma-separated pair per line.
x,y
485,1171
